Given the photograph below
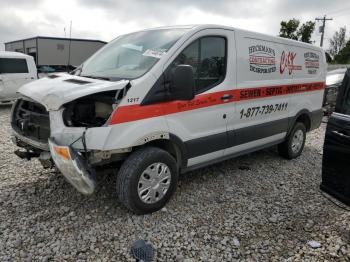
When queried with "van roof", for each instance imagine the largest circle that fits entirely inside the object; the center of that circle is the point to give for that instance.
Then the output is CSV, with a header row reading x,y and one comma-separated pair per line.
x,y
281,39
12,54
198,27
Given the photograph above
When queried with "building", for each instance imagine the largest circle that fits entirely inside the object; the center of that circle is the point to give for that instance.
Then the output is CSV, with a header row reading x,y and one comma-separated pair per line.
x,y
56,52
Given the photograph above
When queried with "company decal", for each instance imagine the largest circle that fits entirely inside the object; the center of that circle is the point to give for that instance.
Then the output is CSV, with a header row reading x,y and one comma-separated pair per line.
x,y
136,112
254,111
262,59
312,62
287,63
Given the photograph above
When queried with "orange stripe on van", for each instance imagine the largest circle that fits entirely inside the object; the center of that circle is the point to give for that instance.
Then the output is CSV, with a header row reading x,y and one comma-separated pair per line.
x,y
130,113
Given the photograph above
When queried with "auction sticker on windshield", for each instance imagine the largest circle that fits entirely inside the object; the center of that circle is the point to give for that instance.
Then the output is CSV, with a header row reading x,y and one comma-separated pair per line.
x,y
154,53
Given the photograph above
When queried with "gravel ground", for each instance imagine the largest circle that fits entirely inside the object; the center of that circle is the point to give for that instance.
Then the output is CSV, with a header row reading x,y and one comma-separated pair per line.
x,y
258,207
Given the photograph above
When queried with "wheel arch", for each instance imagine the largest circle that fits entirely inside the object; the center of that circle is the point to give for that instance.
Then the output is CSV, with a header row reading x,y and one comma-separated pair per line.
x,y
174,146
303,116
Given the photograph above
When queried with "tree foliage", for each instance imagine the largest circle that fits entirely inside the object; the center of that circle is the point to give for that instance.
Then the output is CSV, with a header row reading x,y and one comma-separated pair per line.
x,y
291,29
338,41
305,31
343,56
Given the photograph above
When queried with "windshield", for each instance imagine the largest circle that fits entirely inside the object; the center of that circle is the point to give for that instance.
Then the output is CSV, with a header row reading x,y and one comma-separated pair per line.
x,y
130,56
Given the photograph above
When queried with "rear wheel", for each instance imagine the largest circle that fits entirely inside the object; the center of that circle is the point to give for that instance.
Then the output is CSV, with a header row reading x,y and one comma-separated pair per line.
x,y
294,144
147,180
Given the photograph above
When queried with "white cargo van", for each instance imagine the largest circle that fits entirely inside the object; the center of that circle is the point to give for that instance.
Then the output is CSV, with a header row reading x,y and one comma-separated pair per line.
x,y
16,69
168,100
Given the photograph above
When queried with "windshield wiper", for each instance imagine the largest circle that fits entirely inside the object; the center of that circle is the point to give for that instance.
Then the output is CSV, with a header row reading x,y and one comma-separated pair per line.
x,y
76,70
97,77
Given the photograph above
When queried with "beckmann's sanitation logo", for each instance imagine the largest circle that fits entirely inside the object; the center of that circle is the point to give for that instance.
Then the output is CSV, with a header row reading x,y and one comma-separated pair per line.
x,y
312,62
287,62
262,59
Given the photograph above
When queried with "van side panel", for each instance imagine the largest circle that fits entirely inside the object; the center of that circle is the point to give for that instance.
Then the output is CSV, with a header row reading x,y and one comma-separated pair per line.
x,y
262,99
280,78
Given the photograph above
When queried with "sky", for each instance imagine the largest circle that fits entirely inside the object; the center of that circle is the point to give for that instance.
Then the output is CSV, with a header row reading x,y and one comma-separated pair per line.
x,y
106,19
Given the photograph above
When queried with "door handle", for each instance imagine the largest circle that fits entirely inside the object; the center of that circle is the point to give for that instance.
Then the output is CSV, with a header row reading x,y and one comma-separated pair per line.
x,y
226,97
340,134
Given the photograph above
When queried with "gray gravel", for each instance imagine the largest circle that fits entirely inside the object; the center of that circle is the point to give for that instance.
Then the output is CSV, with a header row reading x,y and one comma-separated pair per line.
x,y
258,207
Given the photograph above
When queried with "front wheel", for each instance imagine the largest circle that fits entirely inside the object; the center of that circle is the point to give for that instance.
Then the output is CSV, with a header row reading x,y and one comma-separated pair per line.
x,y
147,179
294,144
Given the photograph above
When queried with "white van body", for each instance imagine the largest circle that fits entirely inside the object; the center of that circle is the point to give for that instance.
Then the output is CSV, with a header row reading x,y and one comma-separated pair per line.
x,y
250,92
16,69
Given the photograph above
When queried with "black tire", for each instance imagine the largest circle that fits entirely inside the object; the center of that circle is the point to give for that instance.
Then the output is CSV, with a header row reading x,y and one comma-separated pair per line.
x,y
285,149
130,173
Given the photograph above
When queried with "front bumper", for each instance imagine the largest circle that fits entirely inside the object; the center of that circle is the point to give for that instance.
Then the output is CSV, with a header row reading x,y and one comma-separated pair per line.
x,y
73,167
36,144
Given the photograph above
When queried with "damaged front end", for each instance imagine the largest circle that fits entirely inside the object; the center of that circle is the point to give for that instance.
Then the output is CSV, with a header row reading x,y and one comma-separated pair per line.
x,y
56,135
31,129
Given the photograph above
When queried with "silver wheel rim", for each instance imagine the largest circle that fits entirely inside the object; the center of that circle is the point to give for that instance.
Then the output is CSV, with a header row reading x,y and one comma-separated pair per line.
x,y
297,141
154,183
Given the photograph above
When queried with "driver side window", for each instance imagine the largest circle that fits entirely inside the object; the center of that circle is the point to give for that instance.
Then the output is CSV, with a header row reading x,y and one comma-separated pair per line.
x,y
207,56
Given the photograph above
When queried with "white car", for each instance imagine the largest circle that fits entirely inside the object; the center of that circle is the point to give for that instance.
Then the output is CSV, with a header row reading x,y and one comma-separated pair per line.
x,y
164,101
16,69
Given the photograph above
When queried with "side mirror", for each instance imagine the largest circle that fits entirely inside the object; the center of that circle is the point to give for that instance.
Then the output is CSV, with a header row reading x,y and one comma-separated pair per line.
x,y
183,83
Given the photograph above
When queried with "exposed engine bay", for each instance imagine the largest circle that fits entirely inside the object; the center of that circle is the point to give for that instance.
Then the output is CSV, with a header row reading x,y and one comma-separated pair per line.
x,y
92,110
31,122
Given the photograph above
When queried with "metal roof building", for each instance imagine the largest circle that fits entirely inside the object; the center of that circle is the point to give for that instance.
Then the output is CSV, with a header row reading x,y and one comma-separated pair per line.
x,y
55,51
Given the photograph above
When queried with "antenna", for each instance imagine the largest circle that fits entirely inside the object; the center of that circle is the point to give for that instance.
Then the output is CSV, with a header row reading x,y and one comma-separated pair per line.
x,y
70,42
323,27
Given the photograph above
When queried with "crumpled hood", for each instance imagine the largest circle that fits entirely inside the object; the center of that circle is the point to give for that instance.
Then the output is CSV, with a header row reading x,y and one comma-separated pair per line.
x,y
58,89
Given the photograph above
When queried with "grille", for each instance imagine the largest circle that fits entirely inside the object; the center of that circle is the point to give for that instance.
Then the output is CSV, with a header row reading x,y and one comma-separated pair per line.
x,y
30,119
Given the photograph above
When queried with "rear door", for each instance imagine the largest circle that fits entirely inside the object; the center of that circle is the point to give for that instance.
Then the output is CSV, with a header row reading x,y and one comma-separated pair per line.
x,y
336,151
14,73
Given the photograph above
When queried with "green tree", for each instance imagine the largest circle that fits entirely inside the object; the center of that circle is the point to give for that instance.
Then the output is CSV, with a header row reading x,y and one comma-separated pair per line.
x,y
337,42
343,56
291,29
305,31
